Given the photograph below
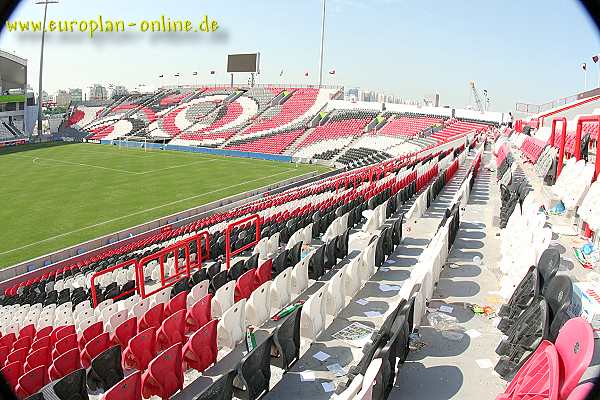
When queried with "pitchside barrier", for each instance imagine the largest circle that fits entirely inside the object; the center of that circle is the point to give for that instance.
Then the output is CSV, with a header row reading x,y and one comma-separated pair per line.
x,y
229,253
219,152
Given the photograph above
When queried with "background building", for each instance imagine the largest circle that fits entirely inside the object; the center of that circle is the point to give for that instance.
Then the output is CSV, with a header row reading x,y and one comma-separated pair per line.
x,y
98,92
18,111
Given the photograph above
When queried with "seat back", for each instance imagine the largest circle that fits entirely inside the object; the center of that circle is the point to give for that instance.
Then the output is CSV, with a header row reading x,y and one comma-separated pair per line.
x,y
164,375
129,388
11,372
200,351
316,264
336,298
258,307
200,313
220,389
236,270
65,364
141,349
232,325
547,268
72,386
245,285
124,332
105,370
368,258
353,276
116,319
223,299
575,347
152,318
299,274
264,272
94,347
172,330
198,291
280,262
177,303
558,294
294,253
255,370
281,290
31,382
140,308
313,316
37,358
341,249
286,340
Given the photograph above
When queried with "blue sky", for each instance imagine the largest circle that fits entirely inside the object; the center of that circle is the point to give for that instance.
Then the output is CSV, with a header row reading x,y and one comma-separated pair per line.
x,y
517,50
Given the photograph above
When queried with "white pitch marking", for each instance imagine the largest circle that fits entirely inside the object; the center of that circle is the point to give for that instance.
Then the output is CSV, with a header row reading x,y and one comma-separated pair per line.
x,y
142,212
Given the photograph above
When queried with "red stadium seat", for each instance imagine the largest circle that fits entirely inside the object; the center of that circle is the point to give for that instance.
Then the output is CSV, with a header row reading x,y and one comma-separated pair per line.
x,y
61,332
152,318
22,343
28,330
94,347
31,382
65,344
40,343
17,355
200,351
245,285
89,333
129,388
140,350
38,358
124,332
8,340
164,375
172,330
199,314
264,272
175,304
12,372
65,364
46,331
4,352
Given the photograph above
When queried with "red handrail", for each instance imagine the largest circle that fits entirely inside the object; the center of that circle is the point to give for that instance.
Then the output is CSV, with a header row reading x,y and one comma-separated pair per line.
x,y
563,135
228,251
125,264
582,119
180,271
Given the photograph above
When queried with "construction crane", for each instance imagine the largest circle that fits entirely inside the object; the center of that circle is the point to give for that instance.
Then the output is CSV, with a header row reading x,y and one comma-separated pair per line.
x,y
478,102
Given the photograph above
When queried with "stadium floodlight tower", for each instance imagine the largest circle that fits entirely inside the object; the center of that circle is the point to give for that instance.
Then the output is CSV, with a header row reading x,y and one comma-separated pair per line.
x,y
322,43
45,3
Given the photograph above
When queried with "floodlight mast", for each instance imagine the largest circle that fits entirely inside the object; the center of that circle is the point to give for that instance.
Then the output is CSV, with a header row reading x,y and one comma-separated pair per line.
x,y
322,44
39,119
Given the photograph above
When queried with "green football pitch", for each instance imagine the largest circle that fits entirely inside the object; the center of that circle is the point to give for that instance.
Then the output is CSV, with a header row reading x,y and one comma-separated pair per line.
x,y
55,196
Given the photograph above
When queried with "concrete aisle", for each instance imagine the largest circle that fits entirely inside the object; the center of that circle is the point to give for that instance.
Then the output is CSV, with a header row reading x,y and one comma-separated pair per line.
x,y
446,368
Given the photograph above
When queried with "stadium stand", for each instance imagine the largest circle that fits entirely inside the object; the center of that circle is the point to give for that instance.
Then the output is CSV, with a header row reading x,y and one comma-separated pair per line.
x,y
170,307
168,315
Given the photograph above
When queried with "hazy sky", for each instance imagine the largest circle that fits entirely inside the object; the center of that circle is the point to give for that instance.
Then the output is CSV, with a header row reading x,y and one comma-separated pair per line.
x,y
518,50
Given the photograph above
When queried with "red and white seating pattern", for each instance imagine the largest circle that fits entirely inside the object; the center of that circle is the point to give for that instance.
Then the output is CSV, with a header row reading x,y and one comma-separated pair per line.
x,y
293,114
236,115
456,128
331,135
270,144
407,126
82,116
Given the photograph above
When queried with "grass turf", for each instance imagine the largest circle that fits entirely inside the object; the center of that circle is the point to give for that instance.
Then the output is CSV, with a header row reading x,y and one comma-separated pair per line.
x,y
55,196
